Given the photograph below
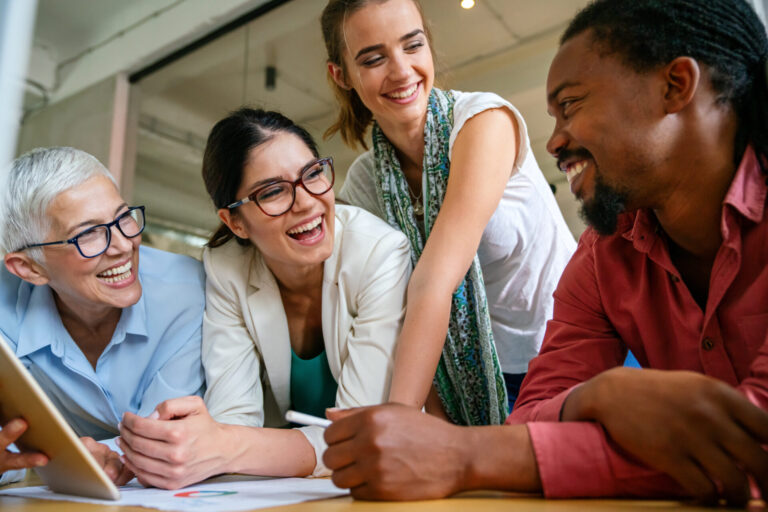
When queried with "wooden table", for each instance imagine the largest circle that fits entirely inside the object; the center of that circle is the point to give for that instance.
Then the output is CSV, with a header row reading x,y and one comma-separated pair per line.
x,y
478,501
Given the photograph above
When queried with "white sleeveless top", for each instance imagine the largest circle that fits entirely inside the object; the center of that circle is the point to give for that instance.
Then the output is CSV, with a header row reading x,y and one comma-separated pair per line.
x,y
524,247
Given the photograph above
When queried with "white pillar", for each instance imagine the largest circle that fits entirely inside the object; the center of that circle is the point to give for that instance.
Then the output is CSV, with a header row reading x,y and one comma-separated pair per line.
x,y
17,19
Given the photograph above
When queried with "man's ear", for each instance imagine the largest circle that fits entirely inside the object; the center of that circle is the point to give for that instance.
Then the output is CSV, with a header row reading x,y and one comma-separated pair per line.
x,y
233,222
682,77
337,74
24,267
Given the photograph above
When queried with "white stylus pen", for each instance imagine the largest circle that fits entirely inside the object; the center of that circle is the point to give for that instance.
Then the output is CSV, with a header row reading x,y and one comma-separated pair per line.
x,y
306,419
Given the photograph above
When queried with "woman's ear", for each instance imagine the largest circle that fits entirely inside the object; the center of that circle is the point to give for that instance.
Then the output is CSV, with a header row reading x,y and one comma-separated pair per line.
x,y
233,222
337,74
24,267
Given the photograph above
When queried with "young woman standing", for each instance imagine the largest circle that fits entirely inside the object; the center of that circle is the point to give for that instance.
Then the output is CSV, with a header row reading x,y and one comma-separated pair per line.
x,y
455,172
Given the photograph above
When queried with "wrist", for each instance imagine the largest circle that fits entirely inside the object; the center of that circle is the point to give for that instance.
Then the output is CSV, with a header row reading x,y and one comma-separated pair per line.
x,y
231,458
500,457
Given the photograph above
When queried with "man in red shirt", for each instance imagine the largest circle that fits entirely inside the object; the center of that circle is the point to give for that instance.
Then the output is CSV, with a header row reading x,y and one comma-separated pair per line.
x,y
661,110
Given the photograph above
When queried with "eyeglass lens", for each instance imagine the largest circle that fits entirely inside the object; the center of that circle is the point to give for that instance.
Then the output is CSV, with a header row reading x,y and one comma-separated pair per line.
x,y
96,240
278,198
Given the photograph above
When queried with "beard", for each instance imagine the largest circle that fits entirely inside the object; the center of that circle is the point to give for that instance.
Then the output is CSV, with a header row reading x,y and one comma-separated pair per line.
x,y
603,210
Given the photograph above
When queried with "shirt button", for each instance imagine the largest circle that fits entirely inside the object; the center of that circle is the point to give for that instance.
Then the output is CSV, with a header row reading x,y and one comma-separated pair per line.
x,y
707,344
674,278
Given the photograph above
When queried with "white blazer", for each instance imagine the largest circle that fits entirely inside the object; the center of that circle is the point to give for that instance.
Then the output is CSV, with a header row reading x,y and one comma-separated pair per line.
x,y
246,346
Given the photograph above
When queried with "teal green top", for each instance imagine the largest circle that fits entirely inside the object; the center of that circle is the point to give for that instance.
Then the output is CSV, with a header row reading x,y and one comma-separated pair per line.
x,y
313,388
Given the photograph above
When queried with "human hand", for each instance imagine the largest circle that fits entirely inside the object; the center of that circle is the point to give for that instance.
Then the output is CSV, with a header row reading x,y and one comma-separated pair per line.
x,y
109,461
394,452
178,445
699,430
10,433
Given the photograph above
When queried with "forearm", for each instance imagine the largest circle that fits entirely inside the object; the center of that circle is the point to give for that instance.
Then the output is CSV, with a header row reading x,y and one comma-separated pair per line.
x,y
499,457
419,347
268,452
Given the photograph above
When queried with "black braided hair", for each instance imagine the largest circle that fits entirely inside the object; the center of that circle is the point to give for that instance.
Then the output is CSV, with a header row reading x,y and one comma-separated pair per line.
x,y
725,35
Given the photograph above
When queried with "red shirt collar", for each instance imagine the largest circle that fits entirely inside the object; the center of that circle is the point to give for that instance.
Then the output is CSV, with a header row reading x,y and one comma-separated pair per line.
x,y
746,195
748,188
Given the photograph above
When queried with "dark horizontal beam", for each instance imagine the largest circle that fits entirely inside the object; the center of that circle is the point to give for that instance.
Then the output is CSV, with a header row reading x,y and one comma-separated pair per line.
x,y
186,50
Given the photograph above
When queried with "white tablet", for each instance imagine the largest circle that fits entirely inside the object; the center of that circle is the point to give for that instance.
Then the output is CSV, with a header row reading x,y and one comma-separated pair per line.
x,y
71,468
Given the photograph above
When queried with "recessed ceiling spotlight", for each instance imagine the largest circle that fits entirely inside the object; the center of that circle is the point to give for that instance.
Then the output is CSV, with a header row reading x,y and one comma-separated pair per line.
x,y
467,4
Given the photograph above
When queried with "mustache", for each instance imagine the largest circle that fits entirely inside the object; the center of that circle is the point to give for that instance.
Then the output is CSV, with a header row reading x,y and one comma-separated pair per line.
x,y
566,154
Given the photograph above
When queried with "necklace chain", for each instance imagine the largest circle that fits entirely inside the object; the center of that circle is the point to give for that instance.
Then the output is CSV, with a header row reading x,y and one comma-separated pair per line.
x,y
418,208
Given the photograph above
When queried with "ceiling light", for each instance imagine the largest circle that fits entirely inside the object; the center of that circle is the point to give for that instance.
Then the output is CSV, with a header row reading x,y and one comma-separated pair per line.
x,y
467,4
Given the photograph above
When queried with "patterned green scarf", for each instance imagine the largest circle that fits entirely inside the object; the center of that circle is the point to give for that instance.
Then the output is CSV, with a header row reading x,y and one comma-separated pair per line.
x,y
468,378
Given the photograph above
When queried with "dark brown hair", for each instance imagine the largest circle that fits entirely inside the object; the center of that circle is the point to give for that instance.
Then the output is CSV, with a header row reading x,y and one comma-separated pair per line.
x,y
354,117
226,153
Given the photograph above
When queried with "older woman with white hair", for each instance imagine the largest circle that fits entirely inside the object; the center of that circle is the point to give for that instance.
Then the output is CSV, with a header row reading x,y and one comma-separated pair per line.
x,y
101,335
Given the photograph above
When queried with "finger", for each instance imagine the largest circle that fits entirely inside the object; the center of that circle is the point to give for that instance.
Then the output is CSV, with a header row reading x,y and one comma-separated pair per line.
x,y
112,466
150,447
180,407
693,479
348,477
11,432
145,478
144,427
750,455
90,444
751,417
24,460
720,467
340,455
335,413
348,426
143,463
371,492
125,476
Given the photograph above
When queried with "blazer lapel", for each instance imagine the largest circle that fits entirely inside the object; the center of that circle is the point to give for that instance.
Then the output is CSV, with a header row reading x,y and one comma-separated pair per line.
x,y
270,324
332,303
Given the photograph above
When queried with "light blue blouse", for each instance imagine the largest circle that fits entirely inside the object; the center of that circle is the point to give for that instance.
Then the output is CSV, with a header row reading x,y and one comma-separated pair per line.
x,y
154,353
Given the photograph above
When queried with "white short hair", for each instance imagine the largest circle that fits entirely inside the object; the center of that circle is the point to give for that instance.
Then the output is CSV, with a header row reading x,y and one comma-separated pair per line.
x,y
33,182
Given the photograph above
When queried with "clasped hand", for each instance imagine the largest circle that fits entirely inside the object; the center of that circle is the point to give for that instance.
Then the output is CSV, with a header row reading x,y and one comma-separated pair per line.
x,y
393,452
699,430
177,445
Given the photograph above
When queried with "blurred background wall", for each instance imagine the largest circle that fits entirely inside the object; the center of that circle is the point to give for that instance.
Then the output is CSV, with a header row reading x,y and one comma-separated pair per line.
x,y
140,83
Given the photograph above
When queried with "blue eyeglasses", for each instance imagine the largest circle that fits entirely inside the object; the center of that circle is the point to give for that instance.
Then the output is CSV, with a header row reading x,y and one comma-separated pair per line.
x,y
95,240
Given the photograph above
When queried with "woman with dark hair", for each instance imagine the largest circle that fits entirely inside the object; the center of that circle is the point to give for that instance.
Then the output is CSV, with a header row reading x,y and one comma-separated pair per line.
x,y
454,171
304,301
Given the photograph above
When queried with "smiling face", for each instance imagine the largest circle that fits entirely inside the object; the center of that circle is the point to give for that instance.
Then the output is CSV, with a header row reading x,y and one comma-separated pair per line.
x,y
609,135
301,237
388,61
91,286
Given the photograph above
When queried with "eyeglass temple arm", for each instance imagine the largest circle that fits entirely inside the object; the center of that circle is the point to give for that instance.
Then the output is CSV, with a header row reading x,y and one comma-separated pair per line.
x,y
45,243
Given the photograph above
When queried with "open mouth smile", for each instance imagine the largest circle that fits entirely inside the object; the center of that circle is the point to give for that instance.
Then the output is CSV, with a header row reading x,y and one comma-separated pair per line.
x,y
116,274
309,232
404,94
575,169
574,173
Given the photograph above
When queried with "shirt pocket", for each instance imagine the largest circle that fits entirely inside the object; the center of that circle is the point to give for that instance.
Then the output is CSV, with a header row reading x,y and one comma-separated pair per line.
x,y
753,330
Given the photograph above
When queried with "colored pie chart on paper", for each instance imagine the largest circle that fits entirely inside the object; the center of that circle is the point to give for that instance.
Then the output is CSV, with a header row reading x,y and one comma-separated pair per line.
x,y
203,494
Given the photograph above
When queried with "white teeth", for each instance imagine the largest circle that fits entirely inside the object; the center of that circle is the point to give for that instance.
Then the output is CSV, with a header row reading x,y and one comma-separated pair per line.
x,y
574,170
403,94
116,274
306,227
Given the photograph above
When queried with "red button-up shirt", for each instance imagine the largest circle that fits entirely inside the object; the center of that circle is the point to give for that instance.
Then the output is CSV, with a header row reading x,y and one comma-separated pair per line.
x,y
622,292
